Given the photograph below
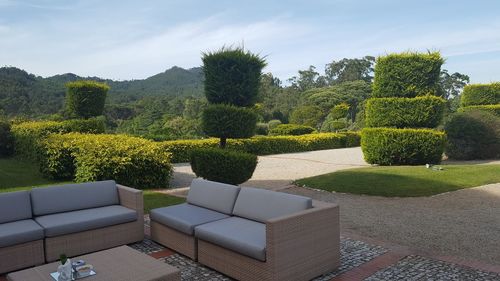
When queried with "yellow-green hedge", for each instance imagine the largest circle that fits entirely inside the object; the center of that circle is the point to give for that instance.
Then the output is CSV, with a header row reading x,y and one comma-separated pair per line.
x,y
390,146
131,161
181,149
27,135
492,108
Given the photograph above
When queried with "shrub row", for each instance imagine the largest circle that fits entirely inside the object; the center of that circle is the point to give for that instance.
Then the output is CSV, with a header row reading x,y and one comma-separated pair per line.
x,y
181,149
407,75
6,138
131,161
223,165
419,112
491,108
291,130
473,134
388,146
480,94
27,135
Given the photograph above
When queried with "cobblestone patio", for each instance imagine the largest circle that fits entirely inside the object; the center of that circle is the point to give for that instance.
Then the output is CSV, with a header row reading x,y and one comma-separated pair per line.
x,y
420,268
353,254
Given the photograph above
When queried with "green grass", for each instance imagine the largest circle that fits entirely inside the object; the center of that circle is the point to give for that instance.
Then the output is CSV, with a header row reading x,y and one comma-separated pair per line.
x,y
18,175
154,200
404,181
15,173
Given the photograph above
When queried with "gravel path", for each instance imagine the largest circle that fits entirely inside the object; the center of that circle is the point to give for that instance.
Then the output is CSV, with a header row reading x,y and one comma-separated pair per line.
x,y
465,223
278,171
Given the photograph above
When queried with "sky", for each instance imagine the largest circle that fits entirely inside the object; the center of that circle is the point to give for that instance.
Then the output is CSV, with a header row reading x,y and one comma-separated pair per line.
x,y
126,40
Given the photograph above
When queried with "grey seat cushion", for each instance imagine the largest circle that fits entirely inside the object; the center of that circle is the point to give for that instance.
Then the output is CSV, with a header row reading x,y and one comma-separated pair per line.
x,y
72,197
15,206
82,220
185,217
216,196
18,232
262,205
237,234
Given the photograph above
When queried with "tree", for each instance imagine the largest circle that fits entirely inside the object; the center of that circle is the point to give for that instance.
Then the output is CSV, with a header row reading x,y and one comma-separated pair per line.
x,y
308,79
353,93
350,70
307,115
232,80
452,85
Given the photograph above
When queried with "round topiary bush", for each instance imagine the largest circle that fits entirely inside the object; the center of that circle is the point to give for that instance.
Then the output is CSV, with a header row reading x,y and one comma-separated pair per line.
x,y
388,146
291,130
419,112
227,121
273,123
232,76
6,139
262,129
85,99
473,135
223,165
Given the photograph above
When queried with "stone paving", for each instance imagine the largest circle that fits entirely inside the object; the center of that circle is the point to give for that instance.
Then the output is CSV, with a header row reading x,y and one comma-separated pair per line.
x,y
354,254
420,268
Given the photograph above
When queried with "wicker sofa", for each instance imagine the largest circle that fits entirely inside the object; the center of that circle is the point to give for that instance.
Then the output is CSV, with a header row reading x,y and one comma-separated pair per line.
x,y
37,226
251,234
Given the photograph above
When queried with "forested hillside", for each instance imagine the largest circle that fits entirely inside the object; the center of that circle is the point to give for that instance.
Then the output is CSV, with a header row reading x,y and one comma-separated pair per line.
x,y
24,94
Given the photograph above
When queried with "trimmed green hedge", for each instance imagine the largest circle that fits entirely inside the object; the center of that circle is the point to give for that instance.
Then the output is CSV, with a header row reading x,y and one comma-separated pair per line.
x,y
223,165
388,146
85,99
131,161
27,135
6,138
473,135
491,108
228,121
407,75
419,112
291,130
181,149
480,94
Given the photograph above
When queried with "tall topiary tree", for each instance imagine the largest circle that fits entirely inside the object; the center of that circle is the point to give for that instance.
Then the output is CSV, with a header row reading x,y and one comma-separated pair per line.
x,y
85,99
404,98
232,78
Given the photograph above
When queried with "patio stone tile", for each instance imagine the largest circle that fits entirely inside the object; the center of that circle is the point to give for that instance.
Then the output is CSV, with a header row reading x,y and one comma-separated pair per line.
x,y
353,254
419,268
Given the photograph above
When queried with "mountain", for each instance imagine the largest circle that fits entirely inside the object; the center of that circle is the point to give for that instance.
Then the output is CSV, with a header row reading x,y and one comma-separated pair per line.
x,y
22,93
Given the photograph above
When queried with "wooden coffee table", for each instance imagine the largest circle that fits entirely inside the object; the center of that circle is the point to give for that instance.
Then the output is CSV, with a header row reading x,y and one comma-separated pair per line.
x,y
120,264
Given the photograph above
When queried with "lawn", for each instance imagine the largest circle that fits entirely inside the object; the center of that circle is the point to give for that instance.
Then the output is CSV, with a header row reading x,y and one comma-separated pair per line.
x,y
18,175
404,181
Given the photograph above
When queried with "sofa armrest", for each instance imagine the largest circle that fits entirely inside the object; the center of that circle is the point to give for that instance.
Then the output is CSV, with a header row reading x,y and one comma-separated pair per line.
x,y
131,198
304,237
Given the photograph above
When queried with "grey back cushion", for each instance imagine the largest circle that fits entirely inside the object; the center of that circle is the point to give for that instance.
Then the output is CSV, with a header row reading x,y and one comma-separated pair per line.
x,y
15,206
213,195
262,205
72,197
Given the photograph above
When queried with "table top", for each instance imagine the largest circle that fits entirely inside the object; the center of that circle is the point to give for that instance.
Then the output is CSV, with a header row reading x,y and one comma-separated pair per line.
x,y
120,264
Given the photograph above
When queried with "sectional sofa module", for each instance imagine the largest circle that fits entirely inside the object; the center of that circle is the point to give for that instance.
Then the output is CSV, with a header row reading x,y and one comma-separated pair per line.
x,y
252,234
21,238
73,219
